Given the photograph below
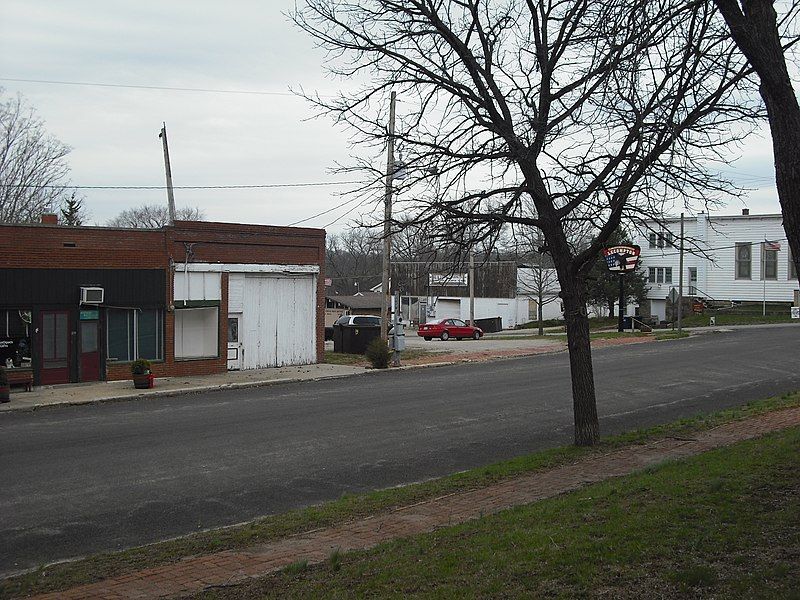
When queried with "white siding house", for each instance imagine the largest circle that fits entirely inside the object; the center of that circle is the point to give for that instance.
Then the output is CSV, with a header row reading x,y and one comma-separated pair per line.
x,y
741,258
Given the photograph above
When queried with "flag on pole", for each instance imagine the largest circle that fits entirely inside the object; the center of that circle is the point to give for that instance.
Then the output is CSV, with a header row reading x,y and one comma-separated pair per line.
x,y
776,246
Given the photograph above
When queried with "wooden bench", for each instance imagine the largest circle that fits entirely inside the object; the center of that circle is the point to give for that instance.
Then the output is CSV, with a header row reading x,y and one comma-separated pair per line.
x,y
20,377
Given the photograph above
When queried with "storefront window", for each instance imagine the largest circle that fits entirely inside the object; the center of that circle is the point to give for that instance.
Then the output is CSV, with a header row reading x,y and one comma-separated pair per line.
x,y
15,339
136,333
197,332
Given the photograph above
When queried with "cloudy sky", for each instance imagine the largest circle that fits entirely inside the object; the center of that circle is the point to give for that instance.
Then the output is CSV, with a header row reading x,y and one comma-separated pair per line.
x,y
214,138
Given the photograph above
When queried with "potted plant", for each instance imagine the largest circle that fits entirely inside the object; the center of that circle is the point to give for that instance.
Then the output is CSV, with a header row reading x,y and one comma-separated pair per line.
x,y
142,378
5,388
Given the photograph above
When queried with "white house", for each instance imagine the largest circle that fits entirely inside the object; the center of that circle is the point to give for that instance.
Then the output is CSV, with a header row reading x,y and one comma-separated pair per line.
x,y
740,258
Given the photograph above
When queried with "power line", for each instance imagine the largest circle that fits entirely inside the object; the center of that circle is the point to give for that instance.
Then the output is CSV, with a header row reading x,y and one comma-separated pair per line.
x,y
181,187
324,212
148,87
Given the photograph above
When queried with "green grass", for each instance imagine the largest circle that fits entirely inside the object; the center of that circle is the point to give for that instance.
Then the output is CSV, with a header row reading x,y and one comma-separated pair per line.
x,y
359,360
669,335
723,524
102,566
594,323
734,319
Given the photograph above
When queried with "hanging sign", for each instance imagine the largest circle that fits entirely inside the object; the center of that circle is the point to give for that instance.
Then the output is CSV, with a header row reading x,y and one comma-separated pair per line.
x,y
621,259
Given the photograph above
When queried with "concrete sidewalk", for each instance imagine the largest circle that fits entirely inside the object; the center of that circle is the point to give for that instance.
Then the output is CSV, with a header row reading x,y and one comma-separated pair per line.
x,y
106,391
230,567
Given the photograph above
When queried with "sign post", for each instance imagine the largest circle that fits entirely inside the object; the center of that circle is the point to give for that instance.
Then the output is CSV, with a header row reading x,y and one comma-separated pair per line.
x,y
621,259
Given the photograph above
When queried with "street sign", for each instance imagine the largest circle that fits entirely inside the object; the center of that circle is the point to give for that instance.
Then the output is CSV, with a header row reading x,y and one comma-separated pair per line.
x,y
673,295
621,259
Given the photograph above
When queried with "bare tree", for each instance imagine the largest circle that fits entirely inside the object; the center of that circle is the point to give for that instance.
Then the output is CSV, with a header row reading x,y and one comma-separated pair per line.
x,y
762,37
353,260
34,174
544,115
153,216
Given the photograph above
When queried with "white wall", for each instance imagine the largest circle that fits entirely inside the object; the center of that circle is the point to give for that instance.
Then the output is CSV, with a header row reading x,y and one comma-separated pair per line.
x,y
196,332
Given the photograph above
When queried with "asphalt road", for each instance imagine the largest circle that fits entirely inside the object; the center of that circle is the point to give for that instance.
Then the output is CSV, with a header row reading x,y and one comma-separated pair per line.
x,y
77,480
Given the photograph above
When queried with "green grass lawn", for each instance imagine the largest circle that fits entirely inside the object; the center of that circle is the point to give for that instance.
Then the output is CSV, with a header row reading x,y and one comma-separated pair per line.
x,y
359,360
101,566
725,524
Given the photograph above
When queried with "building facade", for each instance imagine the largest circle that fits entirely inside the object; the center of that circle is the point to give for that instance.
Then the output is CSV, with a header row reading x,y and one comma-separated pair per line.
x,y
739,258
81,303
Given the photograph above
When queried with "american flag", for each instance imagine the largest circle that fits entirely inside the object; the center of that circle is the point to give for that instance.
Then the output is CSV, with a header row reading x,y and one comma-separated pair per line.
x,y
772,246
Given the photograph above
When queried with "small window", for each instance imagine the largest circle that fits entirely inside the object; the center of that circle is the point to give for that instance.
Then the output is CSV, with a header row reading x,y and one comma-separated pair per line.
x,y
792,267
652,240
651,274
661,240
233,330
744,253
668,275
770,270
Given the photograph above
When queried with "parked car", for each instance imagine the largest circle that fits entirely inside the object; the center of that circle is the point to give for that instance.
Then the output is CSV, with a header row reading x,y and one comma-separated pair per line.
x,y
445,329
369,320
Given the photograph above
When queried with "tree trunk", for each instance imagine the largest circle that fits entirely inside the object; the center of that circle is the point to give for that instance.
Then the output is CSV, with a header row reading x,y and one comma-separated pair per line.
x,y
587,429
539,313
611,304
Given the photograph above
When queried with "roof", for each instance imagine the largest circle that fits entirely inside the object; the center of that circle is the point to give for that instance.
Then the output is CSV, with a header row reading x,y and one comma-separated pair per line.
x,y
364,300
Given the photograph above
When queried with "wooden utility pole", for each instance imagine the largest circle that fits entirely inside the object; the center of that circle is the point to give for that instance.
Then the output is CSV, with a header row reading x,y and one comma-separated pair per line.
x,y
170,195
680,282
387,225
471,287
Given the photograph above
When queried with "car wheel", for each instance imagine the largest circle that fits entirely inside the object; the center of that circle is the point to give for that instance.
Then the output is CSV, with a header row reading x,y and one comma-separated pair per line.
x,y
476,335
445,336
427,338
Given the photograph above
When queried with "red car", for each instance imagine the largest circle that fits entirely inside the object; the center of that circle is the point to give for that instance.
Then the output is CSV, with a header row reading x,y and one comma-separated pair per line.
x,y
445,329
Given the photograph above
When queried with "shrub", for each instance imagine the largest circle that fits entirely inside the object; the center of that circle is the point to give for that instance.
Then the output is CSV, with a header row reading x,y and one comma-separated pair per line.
x,y
378,353
140,366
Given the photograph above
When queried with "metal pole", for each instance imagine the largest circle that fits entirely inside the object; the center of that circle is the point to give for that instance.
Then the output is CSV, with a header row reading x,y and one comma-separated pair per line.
x,y
471,288
387,217
396,323
680,282
170,195
621,300
764,279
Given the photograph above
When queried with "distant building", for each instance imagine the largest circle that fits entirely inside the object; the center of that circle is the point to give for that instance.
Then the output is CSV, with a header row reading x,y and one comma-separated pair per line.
x,y
739,258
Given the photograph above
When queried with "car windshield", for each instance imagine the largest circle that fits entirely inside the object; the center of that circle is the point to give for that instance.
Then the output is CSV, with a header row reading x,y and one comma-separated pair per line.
x,y
366,321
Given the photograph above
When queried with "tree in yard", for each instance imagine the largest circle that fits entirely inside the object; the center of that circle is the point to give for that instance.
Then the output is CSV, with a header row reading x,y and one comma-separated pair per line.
x,y
153,216
760,34
353,260
541,115
34,174
603,285
73,213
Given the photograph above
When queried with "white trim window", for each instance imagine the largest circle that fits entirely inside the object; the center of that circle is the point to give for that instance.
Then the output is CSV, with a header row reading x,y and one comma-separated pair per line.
x,y
792,267
134,333
659,275
769,263
744,260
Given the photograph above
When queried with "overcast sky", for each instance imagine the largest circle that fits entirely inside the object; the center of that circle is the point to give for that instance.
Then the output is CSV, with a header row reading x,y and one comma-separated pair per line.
x,y
214,138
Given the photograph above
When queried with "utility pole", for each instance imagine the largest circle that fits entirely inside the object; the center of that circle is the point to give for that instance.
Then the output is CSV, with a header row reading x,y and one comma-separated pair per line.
x,y
621,302
170,195
396,337
680,282
471,287
387,230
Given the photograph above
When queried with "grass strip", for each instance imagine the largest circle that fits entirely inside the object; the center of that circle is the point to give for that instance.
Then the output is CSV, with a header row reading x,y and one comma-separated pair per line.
x,y
62,576
722,524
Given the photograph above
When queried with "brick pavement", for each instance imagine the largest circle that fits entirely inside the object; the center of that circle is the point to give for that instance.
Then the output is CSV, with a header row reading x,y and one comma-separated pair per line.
x,y
233,566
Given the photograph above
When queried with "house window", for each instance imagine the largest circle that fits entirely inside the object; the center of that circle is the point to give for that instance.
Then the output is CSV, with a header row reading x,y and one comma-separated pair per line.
x,y
792,267
770,266
659,275
692,280
744,255
197,332
134,333
652,240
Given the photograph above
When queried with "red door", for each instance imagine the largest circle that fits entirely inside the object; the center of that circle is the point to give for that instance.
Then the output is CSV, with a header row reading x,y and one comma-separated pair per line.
x,y
54,340
90,350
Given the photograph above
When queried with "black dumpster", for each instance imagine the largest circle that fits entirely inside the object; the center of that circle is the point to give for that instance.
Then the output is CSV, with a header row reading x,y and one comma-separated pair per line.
x,y
354,339
490,325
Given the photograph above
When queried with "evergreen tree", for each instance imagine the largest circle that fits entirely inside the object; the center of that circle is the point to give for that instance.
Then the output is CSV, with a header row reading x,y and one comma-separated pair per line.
x,y
72,212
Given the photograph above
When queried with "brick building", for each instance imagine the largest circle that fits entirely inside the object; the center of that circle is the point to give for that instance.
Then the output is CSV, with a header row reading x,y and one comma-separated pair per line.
x,y
193,298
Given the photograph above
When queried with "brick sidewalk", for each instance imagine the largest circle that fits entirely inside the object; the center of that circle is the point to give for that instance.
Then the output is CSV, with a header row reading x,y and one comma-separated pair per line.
x,y
233,566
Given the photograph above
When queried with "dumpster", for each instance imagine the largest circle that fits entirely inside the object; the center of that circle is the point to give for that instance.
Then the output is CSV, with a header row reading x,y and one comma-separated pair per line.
x,y
490,325
354,339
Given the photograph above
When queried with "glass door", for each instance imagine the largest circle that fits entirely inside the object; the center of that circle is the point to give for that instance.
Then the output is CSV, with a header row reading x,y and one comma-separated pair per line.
x,y
54,339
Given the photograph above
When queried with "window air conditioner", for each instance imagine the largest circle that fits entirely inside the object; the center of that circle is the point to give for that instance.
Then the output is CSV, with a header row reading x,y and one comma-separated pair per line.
x,y
92,295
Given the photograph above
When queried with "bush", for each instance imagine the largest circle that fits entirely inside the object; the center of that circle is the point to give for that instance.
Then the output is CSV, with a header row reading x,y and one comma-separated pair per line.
x,y
140,366
378,353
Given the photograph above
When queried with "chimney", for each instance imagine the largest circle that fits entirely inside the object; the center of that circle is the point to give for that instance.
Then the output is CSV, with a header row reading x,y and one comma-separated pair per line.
x,y
745,212
49,219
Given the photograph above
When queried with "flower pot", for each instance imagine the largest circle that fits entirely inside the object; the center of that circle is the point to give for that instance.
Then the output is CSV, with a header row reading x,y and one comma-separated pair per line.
x,y
5,393
143,381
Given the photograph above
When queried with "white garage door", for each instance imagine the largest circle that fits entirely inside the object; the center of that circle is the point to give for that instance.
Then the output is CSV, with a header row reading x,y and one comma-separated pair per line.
x,y
279,320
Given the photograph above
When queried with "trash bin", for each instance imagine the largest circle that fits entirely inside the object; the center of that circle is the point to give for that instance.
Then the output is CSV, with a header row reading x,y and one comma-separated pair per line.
x,y
354,339
626,322
490,325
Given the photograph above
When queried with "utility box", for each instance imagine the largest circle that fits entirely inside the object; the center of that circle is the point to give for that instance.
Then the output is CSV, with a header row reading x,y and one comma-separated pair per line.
x,y
399,337
354,339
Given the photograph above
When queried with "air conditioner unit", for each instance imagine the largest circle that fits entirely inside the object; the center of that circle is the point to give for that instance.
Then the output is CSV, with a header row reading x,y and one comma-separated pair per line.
x,y
92,295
